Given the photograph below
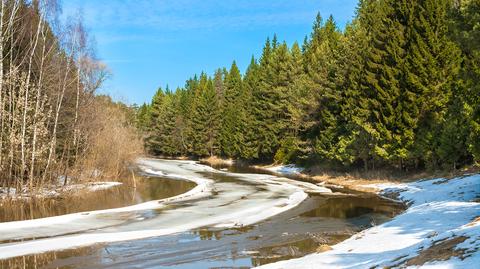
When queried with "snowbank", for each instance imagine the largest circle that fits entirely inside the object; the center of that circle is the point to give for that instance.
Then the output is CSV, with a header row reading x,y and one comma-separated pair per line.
x,y
439,222
55,191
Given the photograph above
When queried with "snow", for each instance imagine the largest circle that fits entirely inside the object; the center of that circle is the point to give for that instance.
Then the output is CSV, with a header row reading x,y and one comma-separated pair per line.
x,y
92,186
289,169
55,191
242,200
439,209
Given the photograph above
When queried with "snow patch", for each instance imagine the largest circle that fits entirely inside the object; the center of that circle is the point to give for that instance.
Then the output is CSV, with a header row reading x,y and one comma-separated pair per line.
x,y
289,169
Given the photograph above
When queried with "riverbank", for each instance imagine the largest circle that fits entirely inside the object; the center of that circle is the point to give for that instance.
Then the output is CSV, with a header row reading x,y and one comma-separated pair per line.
x,y
441,228
356,180
54,191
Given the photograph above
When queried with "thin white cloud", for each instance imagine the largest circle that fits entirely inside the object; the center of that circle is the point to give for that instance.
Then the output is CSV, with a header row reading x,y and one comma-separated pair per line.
x,y
207,14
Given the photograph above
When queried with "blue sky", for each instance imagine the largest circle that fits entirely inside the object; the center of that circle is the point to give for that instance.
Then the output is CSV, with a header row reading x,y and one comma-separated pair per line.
x,y
148,44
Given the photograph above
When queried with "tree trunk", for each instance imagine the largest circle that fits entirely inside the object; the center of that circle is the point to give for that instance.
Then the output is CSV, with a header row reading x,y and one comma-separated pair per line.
x,y
37,110
57,110
25,103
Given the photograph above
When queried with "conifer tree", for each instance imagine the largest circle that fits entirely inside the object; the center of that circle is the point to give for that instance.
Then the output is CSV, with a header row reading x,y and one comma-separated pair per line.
x,y
143,117
205,119
432,66
250,85
167,136
153,141
231,135
465,30
323,53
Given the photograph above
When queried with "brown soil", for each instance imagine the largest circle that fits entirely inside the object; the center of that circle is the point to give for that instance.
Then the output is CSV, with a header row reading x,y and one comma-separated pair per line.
x,y
439,251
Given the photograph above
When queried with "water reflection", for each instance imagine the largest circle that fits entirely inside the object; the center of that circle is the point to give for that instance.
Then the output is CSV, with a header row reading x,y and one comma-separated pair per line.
x,y
124,195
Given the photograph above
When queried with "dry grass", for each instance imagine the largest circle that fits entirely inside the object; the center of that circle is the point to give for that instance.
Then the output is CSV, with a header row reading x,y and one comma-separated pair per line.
x,y
114,145
217,161
359,180
323,248
474,222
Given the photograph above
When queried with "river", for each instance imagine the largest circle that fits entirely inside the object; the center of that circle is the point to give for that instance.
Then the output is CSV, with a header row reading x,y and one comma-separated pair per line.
x,y
212,219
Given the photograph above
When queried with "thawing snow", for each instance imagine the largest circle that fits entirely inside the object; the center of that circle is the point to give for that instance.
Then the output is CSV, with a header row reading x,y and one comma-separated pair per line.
x,y
55,191
92,186
289,169
440,209
239,200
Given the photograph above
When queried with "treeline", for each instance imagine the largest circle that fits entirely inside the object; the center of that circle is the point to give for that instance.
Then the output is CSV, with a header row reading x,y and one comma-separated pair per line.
x,y
399,87
50,117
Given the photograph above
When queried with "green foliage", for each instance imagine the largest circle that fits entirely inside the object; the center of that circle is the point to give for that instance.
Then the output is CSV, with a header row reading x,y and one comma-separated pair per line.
x,y
465,29
206,119
233,114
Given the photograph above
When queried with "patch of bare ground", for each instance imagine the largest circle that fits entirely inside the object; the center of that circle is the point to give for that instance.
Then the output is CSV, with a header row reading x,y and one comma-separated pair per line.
x,y
440,251
166,157
323,248
475,221
217,161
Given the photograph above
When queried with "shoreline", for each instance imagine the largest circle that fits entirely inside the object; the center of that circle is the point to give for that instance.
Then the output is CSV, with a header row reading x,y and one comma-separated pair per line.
x,y
55,191
351,180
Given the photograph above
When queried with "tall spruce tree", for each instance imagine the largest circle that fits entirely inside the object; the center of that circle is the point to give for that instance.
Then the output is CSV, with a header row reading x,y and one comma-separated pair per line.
x,y
465,30
323,53
205,119
231,131
432,66
262,100
153,141
250,86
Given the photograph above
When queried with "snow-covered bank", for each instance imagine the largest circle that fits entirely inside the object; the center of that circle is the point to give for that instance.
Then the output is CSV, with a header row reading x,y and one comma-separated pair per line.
x,y
239,200
55,191
440,229
288,169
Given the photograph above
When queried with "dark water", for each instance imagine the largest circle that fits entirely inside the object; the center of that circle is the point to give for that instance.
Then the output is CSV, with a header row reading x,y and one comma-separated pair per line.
x,y
147,189
319,220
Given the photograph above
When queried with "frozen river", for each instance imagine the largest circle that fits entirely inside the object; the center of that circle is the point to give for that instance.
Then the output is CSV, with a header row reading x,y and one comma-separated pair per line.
x,y
225,219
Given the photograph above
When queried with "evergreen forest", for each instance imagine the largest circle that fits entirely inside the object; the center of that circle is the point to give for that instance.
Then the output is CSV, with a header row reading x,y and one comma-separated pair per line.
x,y
398,87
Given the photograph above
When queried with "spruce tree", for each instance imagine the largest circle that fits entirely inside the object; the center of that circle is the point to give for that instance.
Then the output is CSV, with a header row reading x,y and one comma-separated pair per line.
x,y
153,141
231,135
205,119
465,30
432,67
323,53
265,136
250,86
